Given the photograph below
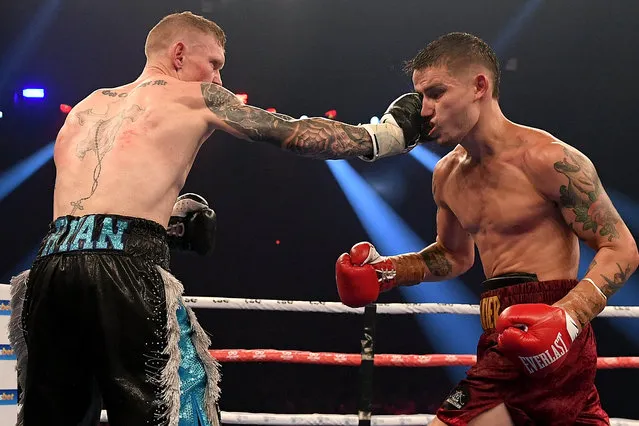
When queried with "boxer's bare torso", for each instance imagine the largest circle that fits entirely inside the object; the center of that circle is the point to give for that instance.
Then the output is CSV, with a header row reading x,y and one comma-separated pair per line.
x,y
517,193
516,224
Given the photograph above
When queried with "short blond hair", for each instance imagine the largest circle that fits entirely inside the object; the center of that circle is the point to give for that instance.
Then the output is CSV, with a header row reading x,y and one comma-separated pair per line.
x,y
169,26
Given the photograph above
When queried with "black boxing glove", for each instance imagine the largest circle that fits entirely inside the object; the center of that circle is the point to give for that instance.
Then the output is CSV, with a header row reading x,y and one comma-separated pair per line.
x,y
192,225
400,128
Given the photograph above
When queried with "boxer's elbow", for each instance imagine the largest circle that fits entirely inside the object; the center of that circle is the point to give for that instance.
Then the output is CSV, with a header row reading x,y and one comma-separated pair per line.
x,y
615,263
626,252
631,247
632,254
462,257
615,243
443,263
464,261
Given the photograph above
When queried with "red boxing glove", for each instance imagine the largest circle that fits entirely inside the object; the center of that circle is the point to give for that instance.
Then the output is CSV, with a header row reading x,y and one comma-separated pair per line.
x,y
362,274
536,335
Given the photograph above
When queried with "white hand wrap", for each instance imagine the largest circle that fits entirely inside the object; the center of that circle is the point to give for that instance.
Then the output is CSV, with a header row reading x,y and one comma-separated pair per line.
x,y
388,139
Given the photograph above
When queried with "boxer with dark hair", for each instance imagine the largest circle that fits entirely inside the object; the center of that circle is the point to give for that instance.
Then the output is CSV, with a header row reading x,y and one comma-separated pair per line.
x,y
524,198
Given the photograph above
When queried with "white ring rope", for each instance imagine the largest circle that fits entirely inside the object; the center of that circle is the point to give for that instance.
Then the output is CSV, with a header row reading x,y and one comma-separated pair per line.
x,y
238,418
337,307
382,308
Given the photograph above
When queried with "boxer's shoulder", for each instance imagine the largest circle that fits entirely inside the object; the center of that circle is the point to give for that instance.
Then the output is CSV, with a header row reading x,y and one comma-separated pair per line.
x,y
443,171
449,162
536,144
544,152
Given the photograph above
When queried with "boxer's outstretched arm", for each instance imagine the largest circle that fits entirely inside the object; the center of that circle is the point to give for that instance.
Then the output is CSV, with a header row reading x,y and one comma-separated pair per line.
x,y
312,137
452,253
568,177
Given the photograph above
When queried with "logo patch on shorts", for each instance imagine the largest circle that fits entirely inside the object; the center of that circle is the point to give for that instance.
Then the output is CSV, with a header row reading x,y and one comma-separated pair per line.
x,y
457,398
489,311
85,233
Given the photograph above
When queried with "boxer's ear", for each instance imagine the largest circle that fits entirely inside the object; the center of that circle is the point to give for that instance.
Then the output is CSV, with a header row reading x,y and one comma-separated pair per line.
x,y
177,55
482,84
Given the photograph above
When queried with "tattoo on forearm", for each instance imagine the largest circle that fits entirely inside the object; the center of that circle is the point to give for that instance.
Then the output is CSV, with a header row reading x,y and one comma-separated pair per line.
x,y
592,265
436,261
100,140
617,281
584,302
582,196
318,138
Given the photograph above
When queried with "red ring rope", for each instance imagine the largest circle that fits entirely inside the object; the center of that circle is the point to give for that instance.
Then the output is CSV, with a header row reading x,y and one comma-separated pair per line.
x,y
381,360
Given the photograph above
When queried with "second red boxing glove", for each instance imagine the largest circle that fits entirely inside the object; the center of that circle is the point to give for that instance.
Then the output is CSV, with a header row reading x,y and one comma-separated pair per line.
x,y
536,336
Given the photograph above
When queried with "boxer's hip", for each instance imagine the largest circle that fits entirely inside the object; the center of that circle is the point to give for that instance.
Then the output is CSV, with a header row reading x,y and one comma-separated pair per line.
x,y
560,398
101,281
512,289
137,238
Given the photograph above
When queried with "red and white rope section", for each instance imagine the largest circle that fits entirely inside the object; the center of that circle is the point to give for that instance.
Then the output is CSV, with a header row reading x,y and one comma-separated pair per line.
x,y
380,360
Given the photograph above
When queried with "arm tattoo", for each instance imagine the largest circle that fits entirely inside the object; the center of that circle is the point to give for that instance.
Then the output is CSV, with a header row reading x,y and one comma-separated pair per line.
x,y
100,140
592,265
616,282
317,138
436,261
582,196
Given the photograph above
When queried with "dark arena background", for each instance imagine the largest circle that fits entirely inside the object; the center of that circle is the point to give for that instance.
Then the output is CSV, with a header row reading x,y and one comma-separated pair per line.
x,y
568,67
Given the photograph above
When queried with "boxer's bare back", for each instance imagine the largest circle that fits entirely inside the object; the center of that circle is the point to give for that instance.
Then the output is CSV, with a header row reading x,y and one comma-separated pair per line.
x,y
128,150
